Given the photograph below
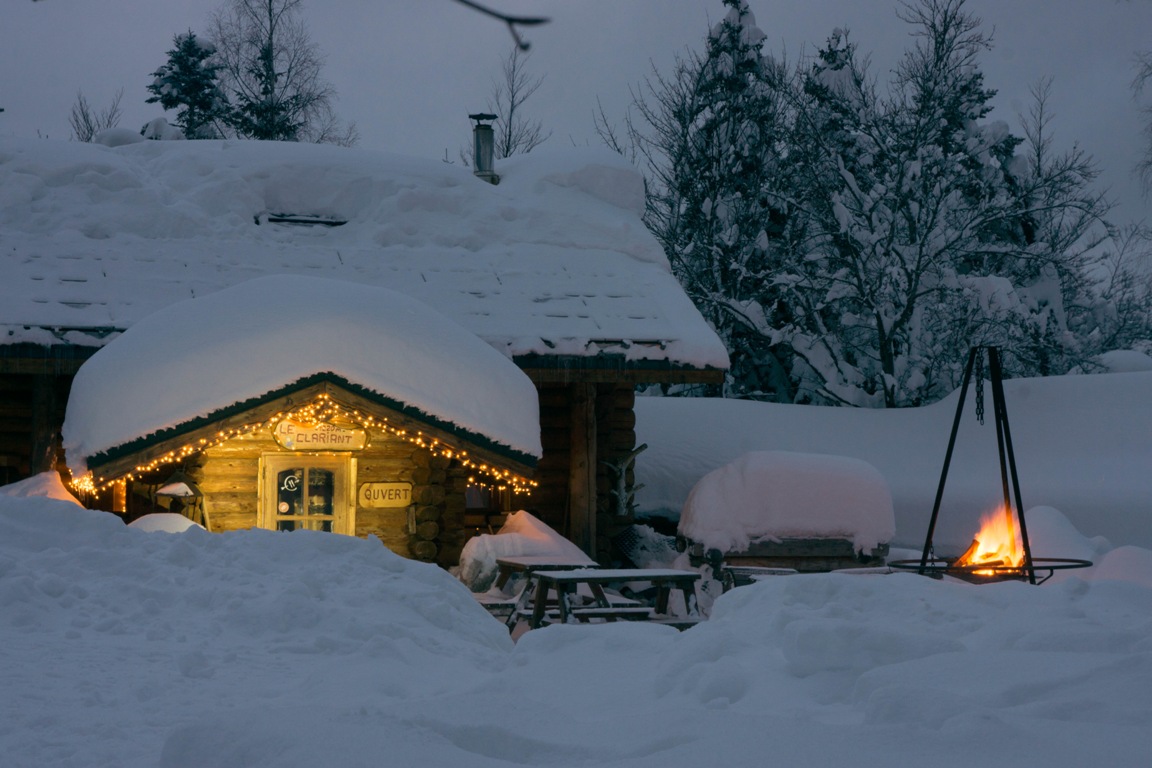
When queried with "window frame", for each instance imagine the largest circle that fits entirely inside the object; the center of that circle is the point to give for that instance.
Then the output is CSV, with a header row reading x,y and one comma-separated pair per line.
x,y
343,467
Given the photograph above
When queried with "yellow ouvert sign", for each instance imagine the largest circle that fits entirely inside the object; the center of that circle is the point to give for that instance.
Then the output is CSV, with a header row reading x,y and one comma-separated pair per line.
x,y
318,437
385,495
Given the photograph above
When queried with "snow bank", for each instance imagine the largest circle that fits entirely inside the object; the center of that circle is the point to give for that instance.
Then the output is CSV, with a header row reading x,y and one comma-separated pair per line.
x,y
521,535
773,495
204,354
46,485
257,648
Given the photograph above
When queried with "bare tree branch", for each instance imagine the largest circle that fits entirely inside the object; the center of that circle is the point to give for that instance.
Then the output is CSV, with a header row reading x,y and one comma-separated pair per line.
x,y
511,21
86,122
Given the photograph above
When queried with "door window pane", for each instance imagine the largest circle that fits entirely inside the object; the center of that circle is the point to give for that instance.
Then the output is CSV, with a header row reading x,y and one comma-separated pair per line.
x,y
306,498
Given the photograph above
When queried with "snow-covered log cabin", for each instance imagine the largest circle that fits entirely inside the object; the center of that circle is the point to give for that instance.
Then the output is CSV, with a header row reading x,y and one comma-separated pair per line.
x,y
552,268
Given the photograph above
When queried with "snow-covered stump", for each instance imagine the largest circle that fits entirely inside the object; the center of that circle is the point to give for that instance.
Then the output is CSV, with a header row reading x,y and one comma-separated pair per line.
x,y
808,512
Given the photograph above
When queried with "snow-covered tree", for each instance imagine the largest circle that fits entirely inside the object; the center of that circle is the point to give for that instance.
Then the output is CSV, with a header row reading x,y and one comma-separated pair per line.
x,y
907,202
851,243
1140,85
189,83
270,69
712,137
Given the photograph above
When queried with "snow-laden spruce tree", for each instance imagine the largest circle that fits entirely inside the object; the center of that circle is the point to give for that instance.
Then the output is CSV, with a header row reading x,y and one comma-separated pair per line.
x,y
189,83
712,141
851,242
930,233
906,199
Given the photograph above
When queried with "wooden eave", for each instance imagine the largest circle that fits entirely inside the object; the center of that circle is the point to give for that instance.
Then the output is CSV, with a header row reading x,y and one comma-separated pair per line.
x,y
612,368
124,459
57,359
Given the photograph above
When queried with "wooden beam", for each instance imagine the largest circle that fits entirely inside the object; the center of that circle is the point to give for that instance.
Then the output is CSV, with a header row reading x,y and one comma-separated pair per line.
x,y
43,454
582,468
613,376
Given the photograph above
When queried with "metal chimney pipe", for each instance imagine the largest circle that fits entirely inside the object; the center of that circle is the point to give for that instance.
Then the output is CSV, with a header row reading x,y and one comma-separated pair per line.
x,y
484,147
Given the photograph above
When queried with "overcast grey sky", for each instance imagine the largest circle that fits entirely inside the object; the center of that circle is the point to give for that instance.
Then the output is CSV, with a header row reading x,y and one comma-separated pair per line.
x,y
408,72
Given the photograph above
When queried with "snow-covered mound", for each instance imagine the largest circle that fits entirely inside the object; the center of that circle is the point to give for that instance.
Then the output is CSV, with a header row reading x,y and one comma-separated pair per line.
x,y
1083,445
773,495
522,534
163,522
201,355
46,485
554,260
300,649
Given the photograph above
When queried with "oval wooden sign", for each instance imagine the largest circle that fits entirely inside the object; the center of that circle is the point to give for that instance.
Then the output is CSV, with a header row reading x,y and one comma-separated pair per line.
x,y
318,437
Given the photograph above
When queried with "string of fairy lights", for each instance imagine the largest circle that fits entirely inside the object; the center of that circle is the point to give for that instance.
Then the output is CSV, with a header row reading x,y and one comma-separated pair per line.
x,y
322,409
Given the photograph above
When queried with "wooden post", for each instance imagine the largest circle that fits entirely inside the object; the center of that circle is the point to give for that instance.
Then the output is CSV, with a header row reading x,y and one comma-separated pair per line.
x,y
43,455
582,469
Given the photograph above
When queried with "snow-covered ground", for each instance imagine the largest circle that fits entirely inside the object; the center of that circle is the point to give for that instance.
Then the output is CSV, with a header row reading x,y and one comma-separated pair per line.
x,y
1083,446
122,647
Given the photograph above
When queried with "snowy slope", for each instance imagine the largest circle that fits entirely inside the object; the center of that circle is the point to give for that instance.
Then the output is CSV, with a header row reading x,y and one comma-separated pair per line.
x,y
259,649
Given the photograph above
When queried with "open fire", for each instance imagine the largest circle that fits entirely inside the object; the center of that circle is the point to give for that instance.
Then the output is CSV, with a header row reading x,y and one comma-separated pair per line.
x,y
997,545
1001,549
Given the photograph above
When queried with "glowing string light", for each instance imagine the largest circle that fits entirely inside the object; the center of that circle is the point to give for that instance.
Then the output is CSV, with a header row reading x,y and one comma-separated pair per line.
x,y
321,410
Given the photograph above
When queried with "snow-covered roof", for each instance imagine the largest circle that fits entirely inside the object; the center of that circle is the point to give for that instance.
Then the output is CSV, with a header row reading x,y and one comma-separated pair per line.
x,y
196,358
553,261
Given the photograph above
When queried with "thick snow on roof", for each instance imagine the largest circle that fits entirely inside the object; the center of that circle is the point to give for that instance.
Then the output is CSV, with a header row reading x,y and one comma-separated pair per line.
x,y
773,495
553,260
1083,445
201,355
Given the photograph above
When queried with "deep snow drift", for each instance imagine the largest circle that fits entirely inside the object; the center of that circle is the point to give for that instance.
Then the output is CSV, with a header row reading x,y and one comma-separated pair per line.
x,y
127,648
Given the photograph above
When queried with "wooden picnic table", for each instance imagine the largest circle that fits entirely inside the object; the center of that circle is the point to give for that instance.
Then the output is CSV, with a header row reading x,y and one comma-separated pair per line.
x,y
565,584
527,564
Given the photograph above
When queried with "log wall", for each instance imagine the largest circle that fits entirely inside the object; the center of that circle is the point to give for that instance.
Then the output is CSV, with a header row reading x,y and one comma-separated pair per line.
x,y
615,438
228,476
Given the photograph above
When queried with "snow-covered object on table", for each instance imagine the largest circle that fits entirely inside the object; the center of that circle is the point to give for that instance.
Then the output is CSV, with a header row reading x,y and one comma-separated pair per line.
x,y
163,522
775,495
522,534
46,485
197,357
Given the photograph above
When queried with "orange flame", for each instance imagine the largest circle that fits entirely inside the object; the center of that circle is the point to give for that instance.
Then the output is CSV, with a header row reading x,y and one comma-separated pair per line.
x,y
997,544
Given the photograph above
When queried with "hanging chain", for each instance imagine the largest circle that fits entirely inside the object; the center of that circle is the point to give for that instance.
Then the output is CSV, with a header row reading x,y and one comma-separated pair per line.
x,y
980,386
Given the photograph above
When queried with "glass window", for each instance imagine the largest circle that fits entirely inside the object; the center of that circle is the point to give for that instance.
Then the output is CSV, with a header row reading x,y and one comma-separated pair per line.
x,y
306,493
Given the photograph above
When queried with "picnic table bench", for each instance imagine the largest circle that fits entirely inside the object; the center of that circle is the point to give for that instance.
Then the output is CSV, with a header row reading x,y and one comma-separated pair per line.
x,y
565,583
528,566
